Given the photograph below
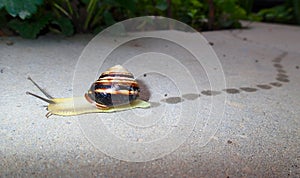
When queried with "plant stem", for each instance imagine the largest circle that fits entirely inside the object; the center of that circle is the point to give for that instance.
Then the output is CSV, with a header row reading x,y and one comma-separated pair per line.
x,y
90,10
62,10
69,7
211,15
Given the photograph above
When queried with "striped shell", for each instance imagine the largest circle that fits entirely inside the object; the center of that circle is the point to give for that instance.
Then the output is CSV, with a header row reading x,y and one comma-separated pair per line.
x,y
115,87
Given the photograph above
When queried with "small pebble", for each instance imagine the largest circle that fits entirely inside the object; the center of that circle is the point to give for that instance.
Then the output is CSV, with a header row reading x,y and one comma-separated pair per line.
x,y
9,43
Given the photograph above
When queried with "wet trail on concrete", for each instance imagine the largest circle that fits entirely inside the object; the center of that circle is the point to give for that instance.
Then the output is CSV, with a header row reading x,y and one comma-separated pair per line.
x,y
279,80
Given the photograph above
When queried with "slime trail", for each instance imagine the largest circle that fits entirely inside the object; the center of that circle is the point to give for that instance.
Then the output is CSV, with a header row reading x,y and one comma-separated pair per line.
x,y
281,78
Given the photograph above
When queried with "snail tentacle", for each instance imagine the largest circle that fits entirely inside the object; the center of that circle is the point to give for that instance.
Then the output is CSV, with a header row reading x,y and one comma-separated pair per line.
x,y
42,98
40,88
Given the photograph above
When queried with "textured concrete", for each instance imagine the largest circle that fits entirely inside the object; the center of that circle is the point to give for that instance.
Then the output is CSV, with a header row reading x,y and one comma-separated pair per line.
x,y
258,135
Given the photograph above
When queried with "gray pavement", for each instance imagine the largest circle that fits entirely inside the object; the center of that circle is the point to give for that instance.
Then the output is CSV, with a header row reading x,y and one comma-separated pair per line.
x,y
258,134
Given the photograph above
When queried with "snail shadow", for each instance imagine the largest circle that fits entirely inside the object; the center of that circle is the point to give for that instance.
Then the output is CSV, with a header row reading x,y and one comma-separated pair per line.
x,y
145,95
144,91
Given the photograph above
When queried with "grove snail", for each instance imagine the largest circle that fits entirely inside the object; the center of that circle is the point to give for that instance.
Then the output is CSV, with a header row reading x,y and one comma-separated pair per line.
x,y
115,90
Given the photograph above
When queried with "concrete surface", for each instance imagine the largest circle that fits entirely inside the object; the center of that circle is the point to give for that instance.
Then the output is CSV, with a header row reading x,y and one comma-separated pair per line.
x,y
258,136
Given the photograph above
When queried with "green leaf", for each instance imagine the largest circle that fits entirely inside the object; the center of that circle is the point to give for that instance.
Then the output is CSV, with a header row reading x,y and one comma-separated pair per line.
x,y
230,7
29,29
279,13
162,5
65,25
127,4
196,3
1,4
85,1
247,5
108,18
21,8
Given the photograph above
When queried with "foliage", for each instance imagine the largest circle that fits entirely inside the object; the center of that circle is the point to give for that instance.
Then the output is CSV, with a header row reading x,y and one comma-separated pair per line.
x,y
296,10
229,13
29,29
276,14
190,12
88,15
31,18
21,8
289,12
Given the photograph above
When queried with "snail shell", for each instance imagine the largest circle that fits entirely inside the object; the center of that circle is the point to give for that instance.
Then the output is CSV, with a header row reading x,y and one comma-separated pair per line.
x,y
115,87
115,90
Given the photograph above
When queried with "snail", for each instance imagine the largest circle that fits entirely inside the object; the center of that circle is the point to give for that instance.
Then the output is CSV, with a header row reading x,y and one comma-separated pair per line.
x,y
115,90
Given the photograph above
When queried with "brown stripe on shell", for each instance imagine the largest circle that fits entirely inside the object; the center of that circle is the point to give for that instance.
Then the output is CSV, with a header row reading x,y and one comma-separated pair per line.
x,y
118,82
116,92
115,74
101,106
116,86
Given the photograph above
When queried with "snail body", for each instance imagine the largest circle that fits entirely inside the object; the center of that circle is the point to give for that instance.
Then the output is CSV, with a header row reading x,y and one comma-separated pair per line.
x,y
115,90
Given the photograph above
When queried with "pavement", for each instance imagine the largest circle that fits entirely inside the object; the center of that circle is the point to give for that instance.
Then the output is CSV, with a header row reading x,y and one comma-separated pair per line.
x,y
246,127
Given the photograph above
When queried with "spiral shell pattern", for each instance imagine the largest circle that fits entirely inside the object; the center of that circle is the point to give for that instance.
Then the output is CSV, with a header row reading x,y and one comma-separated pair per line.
x,y
115,87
